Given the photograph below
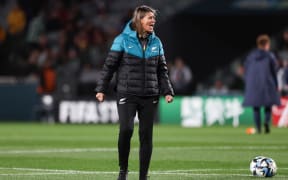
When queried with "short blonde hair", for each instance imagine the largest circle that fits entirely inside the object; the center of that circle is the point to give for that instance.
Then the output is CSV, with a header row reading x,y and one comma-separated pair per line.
x,y
262,40
138,14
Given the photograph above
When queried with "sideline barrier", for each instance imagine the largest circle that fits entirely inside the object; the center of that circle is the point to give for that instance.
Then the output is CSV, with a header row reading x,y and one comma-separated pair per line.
x,y
198,111
280,113
187,111
87,112
18,101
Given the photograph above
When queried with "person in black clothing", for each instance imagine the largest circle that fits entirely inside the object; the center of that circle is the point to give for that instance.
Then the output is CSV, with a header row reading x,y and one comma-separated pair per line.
x,y
137,57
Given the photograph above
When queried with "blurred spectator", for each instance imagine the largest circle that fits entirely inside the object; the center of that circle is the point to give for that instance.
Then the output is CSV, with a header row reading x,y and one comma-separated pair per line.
x,y
81,42
127,17
53,20
98,48
282,77
33,68
261,89
87,80
109,23
89,8
73,61
67,73
16,20
279,44
280,41
236,81
45,50
36,40
15,30
36,27
218,89
2,35
181,76
47,78
4,8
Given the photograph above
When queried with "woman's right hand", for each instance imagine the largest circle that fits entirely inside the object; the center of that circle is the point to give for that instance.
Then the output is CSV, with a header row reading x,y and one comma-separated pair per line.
x,y
100,97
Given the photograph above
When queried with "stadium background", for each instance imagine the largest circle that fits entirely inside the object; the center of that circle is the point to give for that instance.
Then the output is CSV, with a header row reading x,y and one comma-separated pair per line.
x,y
53,128
211,37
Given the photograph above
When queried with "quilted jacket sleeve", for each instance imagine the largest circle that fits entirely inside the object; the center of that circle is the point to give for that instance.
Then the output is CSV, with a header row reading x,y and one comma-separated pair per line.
x,y
111,65
164,81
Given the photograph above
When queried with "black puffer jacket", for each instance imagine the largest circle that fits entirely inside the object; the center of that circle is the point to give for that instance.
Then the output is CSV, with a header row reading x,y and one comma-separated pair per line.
x,y
139,72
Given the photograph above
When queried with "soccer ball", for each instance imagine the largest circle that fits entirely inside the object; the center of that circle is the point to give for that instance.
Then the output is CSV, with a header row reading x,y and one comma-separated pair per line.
x,y
253,164
263,166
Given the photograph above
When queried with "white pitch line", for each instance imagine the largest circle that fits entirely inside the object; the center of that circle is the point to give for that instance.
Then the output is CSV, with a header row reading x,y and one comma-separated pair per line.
x,y
79,150
41,172
37,174
53,170
225,147
40,151
168,171
174,174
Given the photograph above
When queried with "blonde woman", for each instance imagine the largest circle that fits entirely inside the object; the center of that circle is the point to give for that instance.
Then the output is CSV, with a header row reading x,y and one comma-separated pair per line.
x,y
137,57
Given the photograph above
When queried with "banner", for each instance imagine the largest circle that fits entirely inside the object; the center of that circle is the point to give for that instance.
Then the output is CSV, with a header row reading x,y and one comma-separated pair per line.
x,y
77,112
187,111
198,111
280,113
87,112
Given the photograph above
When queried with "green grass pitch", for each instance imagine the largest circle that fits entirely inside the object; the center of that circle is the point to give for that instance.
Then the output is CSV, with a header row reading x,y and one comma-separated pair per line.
x,y
30,151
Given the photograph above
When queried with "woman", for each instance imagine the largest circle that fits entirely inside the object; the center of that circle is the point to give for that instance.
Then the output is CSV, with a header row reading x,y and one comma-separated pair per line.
x,y
138,58
260,70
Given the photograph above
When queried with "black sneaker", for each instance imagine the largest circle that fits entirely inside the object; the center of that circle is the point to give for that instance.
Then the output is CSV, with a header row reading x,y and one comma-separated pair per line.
x,y
123,175
267,128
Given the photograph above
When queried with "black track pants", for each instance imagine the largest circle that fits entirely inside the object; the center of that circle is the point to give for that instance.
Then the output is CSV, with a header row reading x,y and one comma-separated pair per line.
x,y
128,106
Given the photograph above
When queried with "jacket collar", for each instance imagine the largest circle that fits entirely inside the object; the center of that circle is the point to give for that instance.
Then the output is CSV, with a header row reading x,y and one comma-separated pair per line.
x,y
132,33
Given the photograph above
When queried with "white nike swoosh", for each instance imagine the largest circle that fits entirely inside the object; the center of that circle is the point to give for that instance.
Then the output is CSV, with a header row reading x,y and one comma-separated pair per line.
x,y
122,99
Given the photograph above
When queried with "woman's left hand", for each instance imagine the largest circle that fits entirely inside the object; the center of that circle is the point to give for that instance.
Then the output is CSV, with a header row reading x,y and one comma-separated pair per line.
x,y
169,98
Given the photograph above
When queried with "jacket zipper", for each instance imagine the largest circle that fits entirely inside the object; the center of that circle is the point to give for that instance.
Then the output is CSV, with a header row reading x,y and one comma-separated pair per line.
x,y
144,66
144,48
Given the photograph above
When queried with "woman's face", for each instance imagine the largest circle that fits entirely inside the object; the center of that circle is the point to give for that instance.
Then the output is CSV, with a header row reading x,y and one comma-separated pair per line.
x,y
148,22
